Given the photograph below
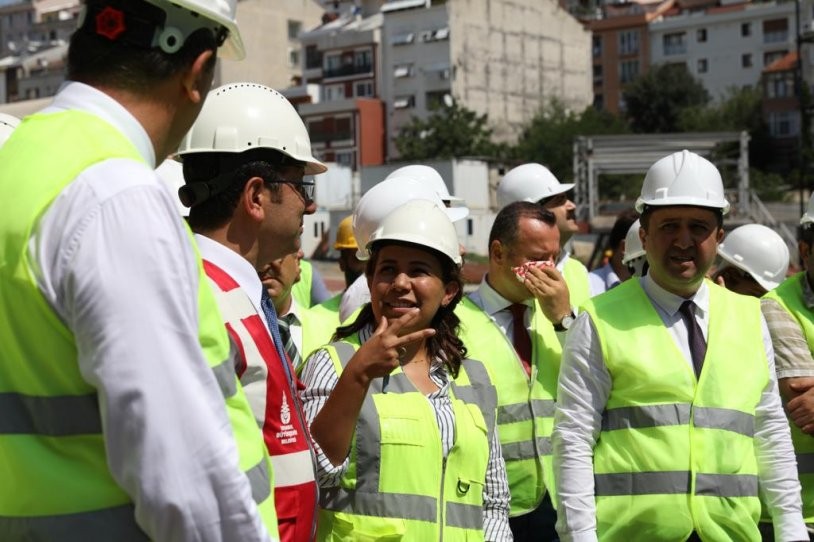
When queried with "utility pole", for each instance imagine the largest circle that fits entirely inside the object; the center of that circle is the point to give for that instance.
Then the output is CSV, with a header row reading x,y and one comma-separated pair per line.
x,y
798,92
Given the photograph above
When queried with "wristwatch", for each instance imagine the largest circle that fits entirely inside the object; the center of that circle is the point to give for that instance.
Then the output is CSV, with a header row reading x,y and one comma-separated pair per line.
x,y
565,323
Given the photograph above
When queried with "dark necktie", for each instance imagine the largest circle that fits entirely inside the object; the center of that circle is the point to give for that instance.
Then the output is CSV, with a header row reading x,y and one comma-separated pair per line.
x,y
521,339
274,329
698,346
285,322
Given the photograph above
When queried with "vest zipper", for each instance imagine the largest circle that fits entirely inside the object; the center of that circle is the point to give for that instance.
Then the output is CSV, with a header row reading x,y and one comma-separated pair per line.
x,y
442,501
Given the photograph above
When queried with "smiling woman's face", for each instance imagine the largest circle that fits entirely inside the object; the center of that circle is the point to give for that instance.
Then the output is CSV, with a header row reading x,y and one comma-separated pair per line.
x,y
405,277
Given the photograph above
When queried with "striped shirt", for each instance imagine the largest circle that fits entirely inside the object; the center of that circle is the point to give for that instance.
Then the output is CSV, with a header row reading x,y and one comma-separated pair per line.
x,y
320,378
792,355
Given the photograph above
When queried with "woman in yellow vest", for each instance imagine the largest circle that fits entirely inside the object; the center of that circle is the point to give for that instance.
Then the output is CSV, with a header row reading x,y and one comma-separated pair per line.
x,y
404,422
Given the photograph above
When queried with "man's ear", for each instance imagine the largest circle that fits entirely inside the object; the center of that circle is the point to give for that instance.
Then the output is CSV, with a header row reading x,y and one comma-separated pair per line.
x,y
198,78
251,199
497,251
643,237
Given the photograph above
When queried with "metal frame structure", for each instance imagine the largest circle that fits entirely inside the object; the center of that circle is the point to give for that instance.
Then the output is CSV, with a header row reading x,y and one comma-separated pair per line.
x,y
634,154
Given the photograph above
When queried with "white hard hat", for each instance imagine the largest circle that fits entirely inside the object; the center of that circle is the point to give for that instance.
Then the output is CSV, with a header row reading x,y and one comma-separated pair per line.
x,y
426,174
242,116
529,182
381,200
171,174
683,178
633,244
7,125
808,217
759,251
420,222
181,18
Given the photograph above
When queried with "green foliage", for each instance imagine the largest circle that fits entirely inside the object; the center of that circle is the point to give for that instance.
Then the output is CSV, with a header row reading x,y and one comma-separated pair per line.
x,y
655,100
550,135
770,186
449,132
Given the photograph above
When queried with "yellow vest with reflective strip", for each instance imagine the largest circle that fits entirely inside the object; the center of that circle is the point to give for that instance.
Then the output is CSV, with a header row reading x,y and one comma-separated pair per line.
x,y
398,484
301,291
319,324
525,406
576,277
676,454
52,453
790,296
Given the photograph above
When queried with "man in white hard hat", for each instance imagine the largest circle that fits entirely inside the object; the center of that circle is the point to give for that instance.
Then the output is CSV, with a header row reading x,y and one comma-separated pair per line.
x,y
634,256
789,311
668,417
754,260
117,422
614,272
510,324
373,206
536,184
429,175
245,161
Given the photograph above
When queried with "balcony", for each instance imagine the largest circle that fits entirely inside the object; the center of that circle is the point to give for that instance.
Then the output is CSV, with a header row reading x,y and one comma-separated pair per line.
x,y
675,49
324,137
347,70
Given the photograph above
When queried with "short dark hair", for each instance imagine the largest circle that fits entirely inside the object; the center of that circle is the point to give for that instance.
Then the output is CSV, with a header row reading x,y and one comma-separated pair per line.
x,y
805,233
507,221
445,344
624,221
124,64
644,220
216,210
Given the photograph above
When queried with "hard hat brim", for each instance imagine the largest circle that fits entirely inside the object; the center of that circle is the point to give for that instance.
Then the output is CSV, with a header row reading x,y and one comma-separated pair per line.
x,y
456,213
768,285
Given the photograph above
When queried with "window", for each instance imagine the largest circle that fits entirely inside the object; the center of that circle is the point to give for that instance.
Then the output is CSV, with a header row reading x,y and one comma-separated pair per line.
x,y
333,92
364,89
746,60
779,85
344,158
313,57
597,74
435,99
674,44
701,35
772,56
434,35
403,70
403,39
775,31
629,42
597,46
470,226
746,29
333,62
628,71
702,65
599,102
293,58
783,124
363,59
404,102
294,29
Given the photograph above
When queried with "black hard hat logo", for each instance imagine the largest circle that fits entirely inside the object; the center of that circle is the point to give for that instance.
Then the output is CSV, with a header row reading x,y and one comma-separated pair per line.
x,y
110,23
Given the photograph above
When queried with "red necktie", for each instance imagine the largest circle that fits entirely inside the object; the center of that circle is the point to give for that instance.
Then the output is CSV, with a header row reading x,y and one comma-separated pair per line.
x,y
521,339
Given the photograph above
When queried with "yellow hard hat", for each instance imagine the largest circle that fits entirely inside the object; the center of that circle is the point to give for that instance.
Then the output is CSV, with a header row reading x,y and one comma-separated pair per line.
x,y
344,235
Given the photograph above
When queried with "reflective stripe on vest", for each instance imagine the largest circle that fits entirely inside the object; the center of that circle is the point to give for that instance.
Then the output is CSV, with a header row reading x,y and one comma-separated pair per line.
x,y
396,423
525,413
790,296
676,453
99,525
49,416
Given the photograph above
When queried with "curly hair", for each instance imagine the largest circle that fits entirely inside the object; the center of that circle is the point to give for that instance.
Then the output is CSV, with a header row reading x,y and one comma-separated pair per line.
x,y
445,344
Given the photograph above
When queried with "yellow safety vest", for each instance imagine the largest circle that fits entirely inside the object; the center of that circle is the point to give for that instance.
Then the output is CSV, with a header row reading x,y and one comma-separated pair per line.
x,y
301,291
525,406
398,484
52,453
319,324
576,277
676,454
790,296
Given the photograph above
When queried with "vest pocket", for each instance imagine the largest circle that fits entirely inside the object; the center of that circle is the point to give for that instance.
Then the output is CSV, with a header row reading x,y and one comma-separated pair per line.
x,y
403,430
350,528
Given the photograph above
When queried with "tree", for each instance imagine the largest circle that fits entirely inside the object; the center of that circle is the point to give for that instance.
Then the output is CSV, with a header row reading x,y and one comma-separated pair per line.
x,y
549,137
449,132
654,101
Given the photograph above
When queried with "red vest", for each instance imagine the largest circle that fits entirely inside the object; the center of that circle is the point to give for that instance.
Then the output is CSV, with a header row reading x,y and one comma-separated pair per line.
x,y
276,405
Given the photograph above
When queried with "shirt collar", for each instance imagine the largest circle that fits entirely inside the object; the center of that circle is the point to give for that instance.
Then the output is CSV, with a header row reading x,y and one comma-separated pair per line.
x,y
79,96
670,302
492,301
235,265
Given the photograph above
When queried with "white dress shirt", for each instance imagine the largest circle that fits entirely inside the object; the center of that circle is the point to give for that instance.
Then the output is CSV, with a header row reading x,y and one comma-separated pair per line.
x,y
584,388
113,259
357,294
497,307
603,279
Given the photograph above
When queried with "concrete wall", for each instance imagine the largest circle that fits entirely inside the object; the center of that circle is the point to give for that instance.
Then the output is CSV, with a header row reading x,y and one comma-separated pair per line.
x,y
264,28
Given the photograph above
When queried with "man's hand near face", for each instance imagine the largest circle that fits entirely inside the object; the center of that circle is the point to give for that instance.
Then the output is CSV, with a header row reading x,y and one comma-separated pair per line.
x,y
548,286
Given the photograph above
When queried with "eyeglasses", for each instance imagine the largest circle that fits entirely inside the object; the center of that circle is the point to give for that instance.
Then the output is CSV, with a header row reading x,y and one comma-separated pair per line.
x,y
306,189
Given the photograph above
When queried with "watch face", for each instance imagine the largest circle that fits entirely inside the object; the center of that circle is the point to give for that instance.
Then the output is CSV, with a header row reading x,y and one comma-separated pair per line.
x,y
567,321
